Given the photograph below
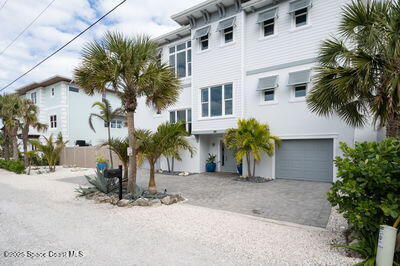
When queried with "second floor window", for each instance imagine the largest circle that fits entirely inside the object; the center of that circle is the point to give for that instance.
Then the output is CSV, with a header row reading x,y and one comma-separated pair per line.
x,y
217,101
52,91
53,121
184,115
115,123
33,97
180,59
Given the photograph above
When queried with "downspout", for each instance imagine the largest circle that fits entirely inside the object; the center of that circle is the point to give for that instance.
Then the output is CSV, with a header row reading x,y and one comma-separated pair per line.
x,y
242,59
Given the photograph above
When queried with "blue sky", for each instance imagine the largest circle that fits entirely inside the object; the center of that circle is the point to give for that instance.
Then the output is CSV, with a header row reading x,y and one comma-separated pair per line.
x,y
63,20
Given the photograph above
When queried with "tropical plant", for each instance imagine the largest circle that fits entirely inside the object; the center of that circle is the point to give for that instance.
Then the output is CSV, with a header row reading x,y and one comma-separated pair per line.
x,y
211,158
129,66
100,183
29,119
101,159
29,156
107,114
367,190
51,149
12,165
120,147
153,145
175,143
358,74
251,138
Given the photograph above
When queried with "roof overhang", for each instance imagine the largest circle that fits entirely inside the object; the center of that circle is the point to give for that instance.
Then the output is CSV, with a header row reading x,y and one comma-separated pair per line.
x,y
44,83
254,5
172,36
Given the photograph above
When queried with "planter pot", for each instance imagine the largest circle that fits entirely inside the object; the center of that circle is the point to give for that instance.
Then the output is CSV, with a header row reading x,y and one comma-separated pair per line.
x,y
386,245
210,167
239,169
101,166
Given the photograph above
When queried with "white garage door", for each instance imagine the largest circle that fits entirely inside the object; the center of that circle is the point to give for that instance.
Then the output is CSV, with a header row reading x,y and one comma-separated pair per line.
x,y
310,160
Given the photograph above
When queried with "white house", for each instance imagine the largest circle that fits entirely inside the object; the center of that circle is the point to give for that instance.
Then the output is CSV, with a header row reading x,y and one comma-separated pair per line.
x,y
65,108
242,59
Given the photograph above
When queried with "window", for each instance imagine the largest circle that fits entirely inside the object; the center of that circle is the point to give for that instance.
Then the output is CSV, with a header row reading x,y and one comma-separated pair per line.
x,y
300,17
119,123
180,59
204,43
33,97
228,35
113,123
184,115
269,95
217,101
53,121
73,89
105,124
300,91
269,27
52,92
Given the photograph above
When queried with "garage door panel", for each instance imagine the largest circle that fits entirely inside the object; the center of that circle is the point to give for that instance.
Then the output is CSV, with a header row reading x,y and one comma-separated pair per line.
x,y
310,160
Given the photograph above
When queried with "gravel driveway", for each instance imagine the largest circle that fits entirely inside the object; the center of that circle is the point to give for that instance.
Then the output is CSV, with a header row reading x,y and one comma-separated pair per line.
x,y
40,215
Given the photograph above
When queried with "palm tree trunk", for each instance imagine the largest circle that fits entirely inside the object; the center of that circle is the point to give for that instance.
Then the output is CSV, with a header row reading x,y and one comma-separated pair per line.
x,y
15,145
169,167
109,147
254,167
132,157
393,127
25,135
173,164
6,145
152,183
125,170
248,165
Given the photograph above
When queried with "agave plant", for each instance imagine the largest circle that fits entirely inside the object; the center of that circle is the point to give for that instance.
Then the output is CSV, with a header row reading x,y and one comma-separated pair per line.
x,y
100,183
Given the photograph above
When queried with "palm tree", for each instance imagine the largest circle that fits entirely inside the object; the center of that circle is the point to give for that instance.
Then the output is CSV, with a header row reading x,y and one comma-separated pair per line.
x,y
107,114
250,139
10,111
151,146
51,149
176,143
29,119
358,75
120,147
131,67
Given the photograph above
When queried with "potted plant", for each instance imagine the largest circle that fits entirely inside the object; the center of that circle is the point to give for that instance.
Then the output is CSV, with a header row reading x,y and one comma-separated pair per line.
x,y
101,163
210,163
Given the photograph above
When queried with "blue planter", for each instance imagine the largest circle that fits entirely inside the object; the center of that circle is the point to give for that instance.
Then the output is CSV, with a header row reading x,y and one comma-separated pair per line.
x,y
101,166
210,167
240,169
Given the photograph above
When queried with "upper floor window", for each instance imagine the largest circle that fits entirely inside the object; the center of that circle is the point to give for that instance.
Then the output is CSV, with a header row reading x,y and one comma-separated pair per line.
x,y
267,86
202,35
300,91
299,80
53,121
226,28
217,101
184,115
299,9
180,59
33,97
267,21
52,91
73,89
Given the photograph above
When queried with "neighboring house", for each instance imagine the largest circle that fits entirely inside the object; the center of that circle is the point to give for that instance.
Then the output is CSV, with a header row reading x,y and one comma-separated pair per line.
x,y
65,108
242,59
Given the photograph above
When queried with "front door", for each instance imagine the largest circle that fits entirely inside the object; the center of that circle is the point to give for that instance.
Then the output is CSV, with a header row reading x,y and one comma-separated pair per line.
x,y
227,159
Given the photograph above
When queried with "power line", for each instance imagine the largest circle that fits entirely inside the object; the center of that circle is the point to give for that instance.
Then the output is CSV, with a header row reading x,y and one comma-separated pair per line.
x,y
27,27
5,2
62,47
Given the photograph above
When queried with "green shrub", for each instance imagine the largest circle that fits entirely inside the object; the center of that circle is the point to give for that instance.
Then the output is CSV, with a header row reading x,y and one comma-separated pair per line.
x,y
13,166
368,189
100,183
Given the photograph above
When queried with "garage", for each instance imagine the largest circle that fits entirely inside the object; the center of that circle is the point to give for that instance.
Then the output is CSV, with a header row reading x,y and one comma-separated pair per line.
x,y
305,159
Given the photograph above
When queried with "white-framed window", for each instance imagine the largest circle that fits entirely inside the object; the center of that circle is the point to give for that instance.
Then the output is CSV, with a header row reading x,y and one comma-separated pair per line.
x,y
119,123
268,27
300,91
300,17
115,123
180,59
217,101
52,91
204,42
228,35
33,97
53,121
269,95
182,115
73,89
105,124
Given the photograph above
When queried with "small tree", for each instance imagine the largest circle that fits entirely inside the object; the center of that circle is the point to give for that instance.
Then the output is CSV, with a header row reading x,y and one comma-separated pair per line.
x,y
250,139
120,147
51,149
107,114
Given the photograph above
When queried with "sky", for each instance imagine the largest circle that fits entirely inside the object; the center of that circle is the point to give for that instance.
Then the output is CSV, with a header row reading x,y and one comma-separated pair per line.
x,y
61,22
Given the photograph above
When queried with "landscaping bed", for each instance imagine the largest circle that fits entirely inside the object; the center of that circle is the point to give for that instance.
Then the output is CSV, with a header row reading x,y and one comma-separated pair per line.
x,y
254,179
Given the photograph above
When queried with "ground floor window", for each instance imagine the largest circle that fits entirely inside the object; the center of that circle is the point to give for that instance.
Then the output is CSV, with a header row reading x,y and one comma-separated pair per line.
x,y
115,123
184,115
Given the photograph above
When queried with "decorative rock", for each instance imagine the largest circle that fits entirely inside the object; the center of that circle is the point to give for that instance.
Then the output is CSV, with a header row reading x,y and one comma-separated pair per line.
x,y
102,199
166,200
142,202
123,203
114,200
155,202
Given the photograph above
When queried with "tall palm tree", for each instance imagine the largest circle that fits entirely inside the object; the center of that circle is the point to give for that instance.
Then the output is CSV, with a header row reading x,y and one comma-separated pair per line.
x,y
10,111
107,114
251,138
176,143
151,146
29,119
131,67
358,75
120,147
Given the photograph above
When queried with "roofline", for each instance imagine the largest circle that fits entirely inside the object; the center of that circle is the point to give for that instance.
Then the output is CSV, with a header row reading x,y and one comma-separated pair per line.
x,y
47,82
193,9
173,35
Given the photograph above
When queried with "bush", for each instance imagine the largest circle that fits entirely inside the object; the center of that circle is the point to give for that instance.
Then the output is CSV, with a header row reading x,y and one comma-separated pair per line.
x,y
368,189
13,166
100,183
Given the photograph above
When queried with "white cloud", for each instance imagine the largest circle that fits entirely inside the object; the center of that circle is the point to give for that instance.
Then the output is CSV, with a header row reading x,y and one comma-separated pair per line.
x,y
63,20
